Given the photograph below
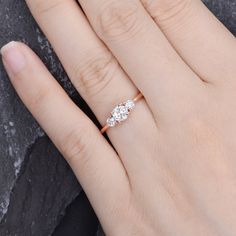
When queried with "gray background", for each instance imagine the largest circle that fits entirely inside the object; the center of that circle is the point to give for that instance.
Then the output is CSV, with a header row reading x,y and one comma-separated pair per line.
x,y
36,184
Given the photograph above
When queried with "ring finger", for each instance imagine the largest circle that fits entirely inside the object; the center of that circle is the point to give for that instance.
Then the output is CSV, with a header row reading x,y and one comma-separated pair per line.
x,y
93,70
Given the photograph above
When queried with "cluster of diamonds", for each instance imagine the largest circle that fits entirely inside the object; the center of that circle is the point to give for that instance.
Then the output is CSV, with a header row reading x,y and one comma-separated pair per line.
x,y
120,113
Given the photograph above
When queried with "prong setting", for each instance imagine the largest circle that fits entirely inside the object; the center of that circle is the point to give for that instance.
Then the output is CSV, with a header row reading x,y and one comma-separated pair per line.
x,y
120,113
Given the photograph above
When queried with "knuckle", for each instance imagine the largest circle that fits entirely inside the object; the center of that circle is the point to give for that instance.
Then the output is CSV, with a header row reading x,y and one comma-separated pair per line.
x,y
76,146
118,19
168,11
40,97
95,74
41,6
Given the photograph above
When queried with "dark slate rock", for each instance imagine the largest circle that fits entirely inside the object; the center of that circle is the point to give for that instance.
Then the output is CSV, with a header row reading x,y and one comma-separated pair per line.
x,y
37,201
36,184
79,219
225,10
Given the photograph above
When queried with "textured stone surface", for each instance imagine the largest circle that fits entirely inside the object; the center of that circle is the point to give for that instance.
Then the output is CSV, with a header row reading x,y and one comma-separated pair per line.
x,y
36,197
225,10
36,185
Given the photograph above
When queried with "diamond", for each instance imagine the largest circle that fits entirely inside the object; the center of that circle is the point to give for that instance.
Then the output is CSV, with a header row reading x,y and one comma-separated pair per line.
x,y
130,104
120,113
111,121
124,112
116,114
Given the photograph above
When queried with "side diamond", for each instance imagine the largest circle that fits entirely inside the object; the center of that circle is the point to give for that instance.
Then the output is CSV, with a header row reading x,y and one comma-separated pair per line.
x,y
130,104
111,121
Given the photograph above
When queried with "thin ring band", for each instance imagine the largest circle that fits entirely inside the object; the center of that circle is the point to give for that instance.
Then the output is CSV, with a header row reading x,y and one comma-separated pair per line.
x,y
120,113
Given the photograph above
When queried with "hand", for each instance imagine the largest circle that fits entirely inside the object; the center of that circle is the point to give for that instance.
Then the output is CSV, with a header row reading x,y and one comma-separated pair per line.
x,y
173,168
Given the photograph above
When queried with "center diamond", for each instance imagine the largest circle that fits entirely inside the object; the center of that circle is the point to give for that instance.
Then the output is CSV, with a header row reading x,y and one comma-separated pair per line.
x,y
120,113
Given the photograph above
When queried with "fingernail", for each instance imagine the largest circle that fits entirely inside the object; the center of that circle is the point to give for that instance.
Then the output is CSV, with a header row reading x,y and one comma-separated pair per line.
x,y
13,58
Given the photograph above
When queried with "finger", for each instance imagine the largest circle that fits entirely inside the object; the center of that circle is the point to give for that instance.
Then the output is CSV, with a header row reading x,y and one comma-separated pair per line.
x,y
92,159
204,43
142,50
95,72
90,66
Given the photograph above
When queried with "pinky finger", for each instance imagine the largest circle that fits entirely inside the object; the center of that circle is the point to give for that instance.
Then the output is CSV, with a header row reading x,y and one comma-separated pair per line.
x,y
92,159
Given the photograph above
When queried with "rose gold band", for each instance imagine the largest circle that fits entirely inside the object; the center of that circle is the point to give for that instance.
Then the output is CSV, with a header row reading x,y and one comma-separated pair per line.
x,y
138,97
135,100
105,128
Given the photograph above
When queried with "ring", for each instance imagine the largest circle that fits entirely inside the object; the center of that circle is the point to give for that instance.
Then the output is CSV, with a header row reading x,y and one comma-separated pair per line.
x,y
121,113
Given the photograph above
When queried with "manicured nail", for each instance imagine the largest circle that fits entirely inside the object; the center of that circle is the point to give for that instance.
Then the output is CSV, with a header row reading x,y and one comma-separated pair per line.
x,y
13,58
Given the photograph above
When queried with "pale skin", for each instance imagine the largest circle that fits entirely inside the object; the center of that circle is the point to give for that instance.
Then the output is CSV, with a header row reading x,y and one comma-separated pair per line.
x,y
173,170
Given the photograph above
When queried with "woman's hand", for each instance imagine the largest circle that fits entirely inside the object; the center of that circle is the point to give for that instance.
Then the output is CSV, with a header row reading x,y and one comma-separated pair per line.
x,y
173,170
